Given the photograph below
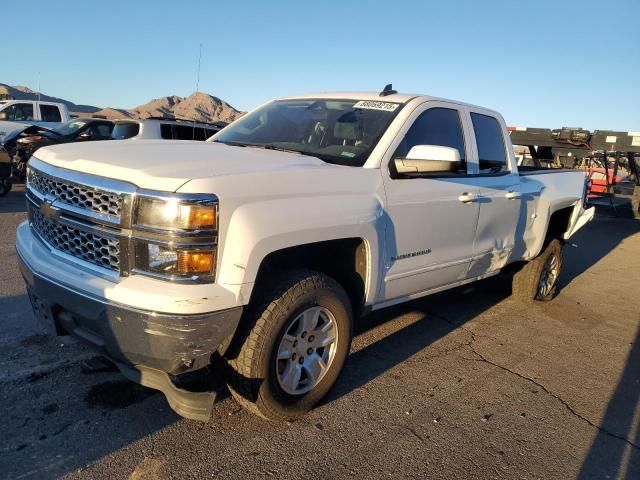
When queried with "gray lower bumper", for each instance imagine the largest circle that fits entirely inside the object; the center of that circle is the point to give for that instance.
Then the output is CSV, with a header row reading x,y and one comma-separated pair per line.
x,y
148,347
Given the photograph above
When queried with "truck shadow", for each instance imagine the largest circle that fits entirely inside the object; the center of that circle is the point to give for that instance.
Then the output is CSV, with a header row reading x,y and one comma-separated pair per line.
x,y
615,451
594,241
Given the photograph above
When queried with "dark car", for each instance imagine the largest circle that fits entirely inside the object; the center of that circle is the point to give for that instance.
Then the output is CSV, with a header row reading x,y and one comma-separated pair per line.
x,y
76,130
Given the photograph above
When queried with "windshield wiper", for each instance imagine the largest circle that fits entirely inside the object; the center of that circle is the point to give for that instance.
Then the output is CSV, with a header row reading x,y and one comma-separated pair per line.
x,y
233,144
267,146
270,146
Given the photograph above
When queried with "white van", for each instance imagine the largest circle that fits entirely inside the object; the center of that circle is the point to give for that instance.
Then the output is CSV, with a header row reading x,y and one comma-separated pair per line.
x,y
164,128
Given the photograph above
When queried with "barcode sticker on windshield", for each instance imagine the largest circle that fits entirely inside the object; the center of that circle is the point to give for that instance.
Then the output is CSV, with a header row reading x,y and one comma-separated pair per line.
x,y
374,105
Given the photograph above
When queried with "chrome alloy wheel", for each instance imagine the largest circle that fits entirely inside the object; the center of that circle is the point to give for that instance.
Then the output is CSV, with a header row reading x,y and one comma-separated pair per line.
x,y
306,350
549,276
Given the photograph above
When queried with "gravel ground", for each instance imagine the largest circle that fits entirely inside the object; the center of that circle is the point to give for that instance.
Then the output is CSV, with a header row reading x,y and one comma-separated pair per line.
x,y
463,384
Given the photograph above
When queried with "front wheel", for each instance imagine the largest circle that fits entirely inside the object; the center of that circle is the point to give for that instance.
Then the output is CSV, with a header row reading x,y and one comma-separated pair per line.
x,y
538,279
295,341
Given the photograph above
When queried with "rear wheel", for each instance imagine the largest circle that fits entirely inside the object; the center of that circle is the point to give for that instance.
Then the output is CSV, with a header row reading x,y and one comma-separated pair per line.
x,y
293,346
538,279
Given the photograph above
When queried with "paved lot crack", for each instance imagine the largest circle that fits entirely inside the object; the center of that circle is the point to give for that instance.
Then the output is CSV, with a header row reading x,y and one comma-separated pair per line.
x,y
412,432
483,358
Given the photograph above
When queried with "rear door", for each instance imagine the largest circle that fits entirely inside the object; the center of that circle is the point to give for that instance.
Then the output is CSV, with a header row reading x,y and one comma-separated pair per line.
x,y
49,114
499,196
431,225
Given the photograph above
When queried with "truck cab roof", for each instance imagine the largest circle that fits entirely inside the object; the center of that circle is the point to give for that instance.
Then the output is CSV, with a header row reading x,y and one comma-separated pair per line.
x,y
402,98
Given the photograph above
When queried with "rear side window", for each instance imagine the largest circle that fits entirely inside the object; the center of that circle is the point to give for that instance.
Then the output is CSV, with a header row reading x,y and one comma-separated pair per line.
x,y
165,131
199,134
50,113
436,126
102,130
125,130
183,132
491,151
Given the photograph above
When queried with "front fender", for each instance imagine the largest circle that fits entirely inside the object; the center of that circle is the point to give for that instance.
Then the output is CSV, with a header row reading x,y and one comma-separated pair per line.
x,y
258,229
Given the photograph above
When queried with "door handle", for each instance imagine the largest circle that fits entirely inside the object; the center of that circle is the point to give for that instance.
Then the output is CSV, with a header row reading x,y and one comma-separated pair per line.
x,y
511,195
467,197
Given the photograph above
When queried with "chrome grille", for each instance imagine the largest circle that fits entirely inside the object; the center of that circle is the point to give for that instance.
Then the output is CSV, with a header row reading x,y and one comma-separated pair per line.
x,y
91,247
76,195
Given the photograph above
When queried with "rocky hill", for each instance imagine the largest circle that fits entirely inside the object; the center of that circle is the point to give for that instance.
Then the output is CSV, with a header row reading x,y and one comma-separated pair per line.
x,y
198,106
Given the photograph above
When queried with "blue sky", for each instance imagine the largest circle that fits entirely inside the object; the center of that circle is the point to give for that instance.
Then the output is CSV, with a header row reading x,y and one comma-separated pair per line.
x,y
540,63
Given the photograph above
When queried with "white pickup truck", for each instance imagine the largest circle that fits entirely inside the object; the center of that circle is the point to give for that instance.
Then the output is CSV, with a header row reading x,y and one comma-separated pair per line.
x,y
259,249
17,114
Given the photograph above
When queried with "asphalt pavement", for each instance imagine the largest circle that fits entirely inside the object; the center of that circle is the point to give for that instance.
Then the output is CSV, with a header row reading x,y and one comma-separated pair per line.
x,y
464,384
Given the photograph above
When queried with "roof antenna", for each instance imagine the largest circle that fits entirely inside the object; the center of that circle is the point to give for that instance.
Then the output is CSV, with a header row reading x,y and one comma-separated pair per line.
x,y
197,89
388,90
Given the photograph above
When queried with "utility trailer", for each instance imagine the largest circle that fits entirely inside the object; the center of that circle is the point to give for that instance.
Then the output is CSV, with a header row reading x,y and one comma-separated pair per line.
x,y
605,153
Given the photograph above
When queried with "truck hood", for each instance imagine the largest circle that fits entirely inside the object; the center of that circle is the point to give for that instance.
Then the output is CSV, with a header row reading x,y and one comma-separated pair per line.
x,y
166,164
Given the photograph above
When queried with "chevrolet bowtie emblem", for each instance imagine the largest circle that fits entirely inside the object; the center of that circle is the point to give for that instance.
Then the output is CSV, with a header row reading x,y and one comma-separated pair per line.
x,y
48,210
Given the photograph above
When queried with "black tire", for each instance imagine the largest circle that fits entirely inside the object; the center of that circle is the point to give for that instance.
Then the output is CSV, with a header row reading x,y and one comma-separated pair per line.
x,y
252,377
527,282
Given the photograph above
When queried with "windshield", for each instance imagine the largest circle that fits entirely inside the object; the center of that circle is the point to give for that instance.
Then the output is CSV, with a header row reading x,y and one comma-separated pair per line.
x,y
70,127
336,131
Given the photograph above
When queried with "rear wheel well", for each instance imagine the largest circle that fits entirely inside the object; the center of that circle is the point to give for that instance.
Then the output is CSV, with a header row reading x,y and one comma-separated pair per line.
x,y
344,260
558,225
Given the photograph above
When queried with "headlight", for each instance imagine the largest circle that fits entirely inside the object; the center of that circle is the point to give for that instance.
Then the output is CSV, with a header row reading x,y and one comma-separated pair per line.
x,y
177,212
175,235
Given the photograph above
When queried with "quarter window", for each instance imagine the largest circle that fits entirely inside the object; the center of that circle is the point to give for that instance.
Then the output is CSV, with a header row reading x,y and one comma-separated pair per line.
x,y
435,126
491,152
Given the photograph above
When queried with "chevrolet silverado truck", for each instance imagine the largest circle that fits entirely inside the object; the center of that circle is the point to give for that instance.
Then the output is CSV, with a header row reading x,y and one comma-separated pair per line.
x,y
16,115
258,250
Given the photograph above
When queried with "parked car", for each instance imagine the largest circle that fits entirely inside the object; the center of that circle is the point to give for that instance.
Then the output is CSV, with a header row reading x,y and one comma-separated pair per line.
x,y
32,138
265,245
15,114
163,128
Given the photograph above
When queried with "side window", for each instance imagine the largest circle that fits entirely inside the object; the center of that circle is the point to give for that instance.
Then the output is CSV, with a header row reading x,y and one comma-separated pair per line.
x,y
50,113
101,131
184,132
491,151
20,112
435,126
165,131
199,134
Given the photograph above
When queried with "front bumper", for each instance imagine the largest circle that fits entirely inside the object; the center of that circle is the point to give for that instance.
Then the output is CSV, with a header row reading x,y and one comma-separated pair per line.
x,y
171,343
148,347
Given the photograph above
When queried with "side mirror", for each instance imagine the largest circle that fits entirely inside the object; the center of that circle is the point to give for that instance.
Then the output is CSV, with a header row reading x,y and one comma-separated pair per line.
x,y
3,115
429,159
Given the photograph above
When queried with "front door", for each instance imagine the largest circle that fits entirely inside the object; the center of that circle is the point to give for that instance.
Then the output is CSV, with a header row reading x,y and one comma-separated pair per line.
x,y
431,219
